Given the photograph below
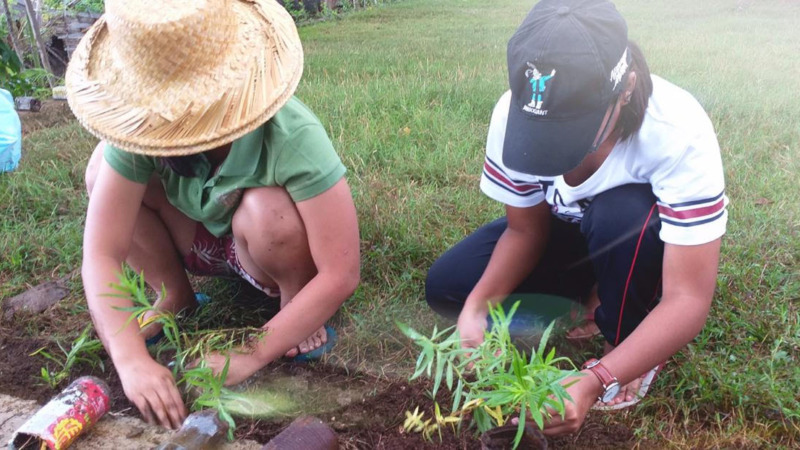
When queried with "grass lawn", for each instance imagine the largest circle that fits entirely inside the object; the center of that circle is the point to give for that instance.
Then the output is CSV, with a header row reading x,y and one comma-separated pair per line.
x,y
406,92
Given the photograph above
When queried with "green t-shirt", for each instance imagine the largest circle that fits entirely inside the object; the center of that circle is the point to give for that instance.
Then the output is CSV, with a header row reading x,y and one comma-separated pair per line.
x,y
291,150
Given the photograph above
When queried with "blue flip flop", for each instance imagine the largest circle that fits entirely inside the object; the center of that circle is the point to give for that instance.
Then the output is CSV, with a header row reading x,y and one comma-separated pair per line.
x,y
202,300
317,353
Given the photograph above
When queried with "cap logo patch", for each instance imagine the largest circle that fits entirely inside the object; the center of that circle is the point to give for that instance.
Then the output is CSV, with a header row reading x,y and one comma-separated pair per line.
x,y
538,86
620,69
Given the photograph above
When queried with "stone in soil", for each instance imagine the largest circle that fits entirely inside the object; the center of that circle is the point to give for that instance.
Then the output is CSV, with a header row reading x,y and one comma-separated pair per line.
x,y
37,298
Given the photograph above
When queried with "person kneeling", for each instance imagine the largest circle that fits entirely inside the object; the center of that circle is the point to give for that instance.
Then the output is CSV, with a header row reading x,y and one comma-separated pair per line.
x,y
614,192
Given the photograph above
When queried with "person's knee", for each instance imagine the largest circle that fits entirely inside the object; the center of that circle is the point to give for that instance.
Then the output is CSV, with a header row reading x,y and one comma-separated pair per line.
x,y
614,330
267,220
93,167
443,293
620,212
436,280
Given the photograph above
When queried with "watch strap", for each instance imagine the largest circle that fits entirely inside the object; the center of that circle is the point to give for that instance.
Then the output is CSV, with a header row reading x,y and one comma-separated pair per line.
x,y
600,371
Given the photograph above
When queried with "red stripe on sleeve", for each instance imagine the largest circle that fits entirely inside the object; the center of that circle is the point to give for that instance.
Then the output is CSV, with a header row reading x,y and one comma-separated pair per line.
x,y
521,188
691,213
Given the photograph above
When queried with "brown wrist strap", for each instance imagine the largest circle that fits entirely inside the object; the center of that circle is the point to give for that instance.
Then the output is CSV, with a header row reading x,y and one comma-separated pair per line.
x,y
600,371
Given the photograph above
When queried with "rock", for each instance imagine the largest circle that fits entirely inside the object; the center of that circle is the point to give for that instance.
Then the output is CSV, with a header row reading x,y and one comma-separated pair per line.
x,y
305,433
134,433
37,298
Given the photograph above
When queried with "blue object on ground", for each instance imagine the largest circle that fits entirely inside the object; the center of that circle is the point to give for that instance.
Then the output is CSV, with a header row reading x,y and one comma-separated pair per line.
x,y
535,312
153,340
202,300
319,351
10,133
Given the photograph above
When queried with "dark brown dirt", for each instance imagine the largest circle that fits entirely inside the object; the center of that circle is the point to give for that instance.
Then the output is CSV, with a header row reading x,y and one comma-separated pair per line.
x,y
53,113
375,423
19,371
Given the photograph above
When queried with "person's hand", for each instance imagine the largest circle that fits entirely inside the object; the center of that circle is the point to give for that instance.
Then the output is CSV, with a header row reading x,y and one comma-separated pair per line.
x,y
150,387
471,328
584,394
242,365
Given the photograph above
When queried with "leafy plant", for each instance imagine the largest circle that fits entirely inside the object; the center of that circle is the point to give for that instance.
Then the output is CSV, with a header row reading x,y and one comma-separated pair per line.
x,y
189,349
25,82
93,6
9,59
494,382
298,12
82,350
10,68
212,392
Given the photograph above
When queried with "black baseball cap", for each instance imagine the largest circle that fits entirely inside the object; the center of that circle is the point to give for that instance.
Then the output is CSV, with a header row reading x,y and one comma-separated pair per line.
x,y
566,64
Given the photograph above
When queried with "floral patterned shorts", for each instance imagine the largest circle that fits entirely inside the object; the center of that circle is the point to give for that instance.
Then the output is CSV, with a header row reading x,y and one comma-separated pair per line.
x,y
216,256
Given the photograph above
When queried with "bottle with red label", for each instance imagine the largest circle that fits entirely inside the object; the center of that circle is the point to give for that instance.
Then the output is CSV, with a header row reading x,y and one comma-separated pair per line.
x,y
58,423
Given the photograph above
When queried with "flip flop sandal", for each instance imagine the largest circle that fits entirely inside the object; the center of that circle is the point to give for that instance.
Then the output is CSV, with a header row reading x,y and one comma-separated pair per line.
x,y
586,335
647,381
317,353
202,300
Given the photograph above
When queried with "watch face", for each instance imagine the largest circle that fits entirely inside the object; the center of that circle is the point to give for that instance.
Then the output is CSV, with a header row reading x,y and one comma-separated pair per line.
x,y
610,392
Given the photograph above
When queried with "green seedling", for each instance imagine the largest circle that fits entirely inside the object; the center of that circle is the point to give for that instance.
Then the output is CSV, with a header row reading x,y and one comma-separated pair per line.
x,y
82,350
189,349
494,382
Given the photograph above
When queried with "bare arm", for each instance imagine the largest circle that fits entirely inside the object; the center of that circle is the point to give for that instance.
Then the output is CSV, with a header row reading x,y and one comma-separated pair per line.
x,y
332,229
514,257
110,220
689,279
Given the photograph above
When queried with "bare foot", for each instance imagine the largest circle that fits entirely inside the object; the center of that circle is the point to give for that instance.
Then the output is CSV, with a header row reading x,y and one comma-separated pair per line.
x,y
316,340
588,328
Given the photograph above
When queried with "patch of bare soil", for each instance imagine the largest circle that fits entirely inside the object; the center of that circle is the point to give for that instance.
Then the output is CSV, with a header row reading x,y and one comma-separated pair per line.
x,y
375,422
52,114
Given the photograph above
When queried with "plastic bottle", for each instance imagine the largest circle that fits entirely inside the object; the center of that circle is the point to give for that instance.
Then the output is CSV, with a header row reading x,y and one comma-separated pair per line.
x,y
65,417
200,431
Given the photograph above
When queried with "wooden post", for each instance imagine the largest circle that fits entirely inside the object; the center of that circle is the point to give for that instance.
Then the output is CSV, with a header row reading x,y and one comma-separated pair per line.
x,y
14,42
39,44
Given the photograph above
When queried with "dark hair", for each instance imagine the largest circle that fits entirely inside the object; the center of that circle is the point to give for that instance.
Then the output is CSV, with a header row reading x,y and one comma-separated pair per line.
x,y
631,115
181,165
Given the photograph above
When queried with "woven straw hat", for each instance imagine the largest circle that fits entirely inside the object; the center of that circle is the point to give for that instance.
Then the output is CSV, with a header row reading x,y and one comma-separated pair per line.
x,y
178,77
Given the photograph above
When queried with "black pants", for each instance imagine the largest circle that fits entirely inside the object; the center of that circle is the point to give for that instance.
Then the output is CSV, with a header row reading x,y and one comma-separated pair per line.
x,y
616,246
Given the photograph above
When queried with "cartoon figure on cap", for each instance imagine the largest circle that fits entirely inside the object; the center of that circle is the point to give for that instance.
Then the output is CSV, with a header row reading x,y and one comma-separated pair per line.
x,y
538,85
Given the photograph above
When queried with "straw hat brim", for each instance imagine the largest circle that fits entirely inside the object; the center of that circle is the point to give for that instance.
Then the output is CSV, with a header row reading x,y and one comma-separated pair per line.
x,y
188,113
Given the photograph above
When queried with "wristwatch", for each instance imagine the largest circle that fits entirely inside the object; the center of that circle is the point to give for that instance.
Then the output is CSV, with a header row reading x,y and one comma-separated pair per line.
x,y
609,382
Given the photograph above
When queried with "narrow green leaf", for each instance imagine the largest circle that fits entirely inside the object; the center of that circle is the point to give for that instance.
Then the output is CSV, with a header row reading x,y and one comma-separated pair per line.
x,y
429,360
449,376
537,417
437,380
520,425
543,341
457,395
224,374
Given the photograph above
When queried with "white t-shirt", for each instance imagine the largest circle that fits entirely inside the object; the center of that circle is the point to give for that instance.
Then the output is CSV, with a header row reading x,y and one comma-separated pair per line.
x,y
675,151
